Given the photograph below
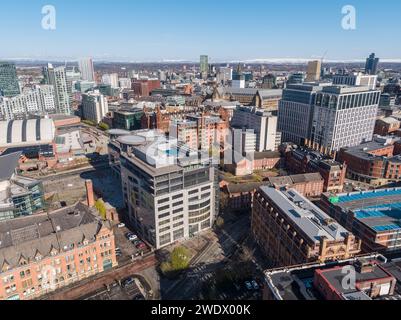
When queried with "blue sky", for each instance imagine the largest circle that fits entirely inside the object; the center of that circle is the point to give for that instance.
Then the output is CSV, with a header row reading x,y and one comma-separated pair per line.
x,y
153,30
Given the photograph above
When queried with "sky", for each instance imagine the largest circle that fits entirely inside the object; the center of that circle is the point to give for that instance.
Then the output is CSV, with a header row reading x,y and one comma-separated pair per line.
x,y
226,30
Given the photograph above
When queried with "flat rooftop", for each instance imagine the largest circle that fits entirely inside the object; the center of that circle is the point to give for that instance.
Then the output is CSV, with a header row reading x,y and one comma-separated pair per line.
x,y
296,282
380,210
308,218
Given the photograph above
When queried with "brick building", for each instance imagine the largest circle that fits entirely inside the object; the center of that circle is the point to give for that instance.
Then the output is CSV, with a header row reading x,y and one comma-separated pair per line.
x,y
374,279
303,160
307,184
240,196
144,88
44,252
386,126
373,162
291,230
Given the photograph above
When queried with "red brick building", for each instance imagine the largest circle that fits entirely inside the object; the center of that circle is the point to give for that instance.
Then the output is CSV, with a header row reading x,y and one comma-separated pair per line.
x,y
144,88
386,126
308,184
44,252
303,160
373,162
371,278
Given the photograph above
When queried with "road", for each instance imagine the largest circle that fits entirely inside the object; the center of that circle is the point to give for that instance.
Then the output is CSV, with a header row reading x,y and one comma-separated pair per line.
x,y
211,259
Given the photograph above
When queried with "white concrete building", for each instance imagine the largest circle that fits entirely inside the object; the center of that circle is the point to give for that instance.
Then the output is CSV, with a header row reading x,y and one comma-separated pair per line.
x,y
110,79
344,117
87,69
263,123
38,100
58,79
171,192
356,79
94,106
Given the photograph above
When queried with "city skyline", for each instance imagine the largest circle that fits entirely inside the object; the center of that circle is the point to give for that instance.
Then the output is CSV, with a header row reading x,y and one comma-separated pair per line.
x,y
262,29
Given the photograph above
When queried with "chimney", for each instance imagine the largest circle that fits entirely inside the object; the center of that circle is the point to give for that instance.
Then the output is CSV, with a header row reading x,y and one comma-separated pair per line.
x,y
90,198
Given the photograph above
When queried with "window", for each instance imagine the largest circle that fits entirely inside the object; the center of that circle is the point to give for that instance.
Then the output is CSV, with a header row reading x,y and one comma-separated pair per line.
x,y
162,223
178,224
161,201
164,208
164,215
165,239
178,204
164,229
178,210
178,196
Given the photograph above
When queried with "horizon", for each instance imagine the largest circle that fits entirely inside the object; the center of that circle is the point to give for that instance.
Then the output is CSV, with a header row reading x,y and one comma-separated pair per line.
x,y
226,31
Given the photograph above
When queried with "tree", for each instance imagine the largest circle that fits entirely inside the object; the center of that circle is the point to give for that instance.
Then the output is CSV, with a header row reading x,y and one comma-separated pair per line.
x,y
224,201
179,259
219,222
104,126
101,207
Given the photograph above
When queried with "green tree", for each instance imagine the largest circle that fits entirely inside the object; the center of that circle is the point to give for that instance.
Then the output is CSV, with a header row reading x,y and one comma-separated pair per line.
x,y
101,207
179,259
104,126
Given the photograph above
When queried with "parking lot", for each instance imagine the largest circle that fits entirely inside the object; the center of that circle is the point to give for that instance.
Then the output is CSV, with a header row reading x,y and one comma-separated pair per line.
x,y
127,248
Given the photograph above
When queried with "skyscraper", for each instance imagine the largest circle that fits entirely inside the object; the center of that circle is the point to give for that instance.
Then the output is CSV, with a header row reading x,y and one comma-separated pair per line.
x,y
58,79
204,65
87,70
8,80
297,104
371,64
343,117
314,71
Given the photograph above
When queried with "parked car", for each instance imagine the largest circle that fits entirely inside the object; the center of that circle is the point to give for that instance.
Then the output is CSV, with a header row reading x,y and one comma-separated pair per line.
x,y
255,285
248,285
129,234
140,245
128,281
132,237
121,225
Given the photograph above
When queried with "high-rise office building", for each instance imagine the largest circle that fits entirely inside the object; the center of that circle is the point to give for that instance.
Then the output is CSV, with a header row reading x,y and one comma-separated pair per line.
x,y
314,71
204,65
87,70
297,104
372,64
343,117
94,106
171,191
8,80
56,76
